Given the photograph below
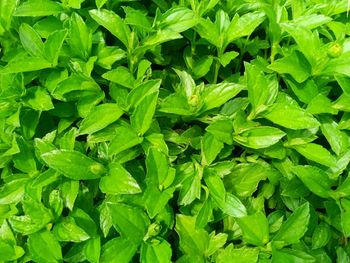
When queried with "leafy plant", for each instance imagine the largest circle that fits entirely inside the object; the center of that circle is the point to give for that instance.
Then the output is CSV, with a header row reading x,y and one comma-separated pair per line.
x,y
174,131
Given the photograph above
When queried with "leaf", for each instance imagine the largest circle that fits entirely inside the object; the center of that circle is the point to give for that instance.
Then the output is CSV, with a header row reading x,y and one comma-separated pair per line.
x,y
234,207
211,147
291,255
295,64
73,164
315,179
131,222
44,247
38,8
316,153
244,178
113,23
100,117
192,241
157,252
124,138
222,130
215,95
125,248
262,91
31,40
244,255
53,45
244,25
25,65
345,216
259,137
68,231
294,228
119,181
38,99
177,19
287,114
142,116
121,76
80,37
255,229
216,189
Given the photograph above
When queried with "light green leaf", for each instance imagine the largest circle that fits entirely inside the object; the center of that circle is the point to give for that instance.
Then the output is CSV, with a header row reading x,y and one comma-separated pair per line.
x,y
255,229
31,40
125,248
113,23
316,153
131,222
294,228
193,241
73,164
38,8
288,114
44,247
142,116
100,117
38,99
159,251
118,181
315,179
259,137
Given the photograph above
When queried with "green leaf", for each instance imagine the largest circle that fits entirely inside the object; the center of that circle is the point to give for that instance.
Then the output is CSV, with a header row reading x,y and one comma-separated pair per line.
x,y
38,8
118,181
321,235
255,229
244,25
67,230
234,207
100,117
31,40
38,99
245,177
92,249
121,76
80,37
215,95
177,19
345,216
9,252
44,247
291,255
315,179
53,45
316,153
259,137
142,116
113,23
125,248
131,222
294,64
73,164
193,241
285,112
244,255
262,91
216,188
25,65
294,228
124,138
222,130
158,251
211,147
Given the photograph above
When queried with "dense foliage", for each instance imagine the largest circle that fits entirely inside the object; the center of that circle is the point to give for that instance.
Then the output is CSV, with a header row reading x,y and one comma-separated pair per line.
x,y
162,131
